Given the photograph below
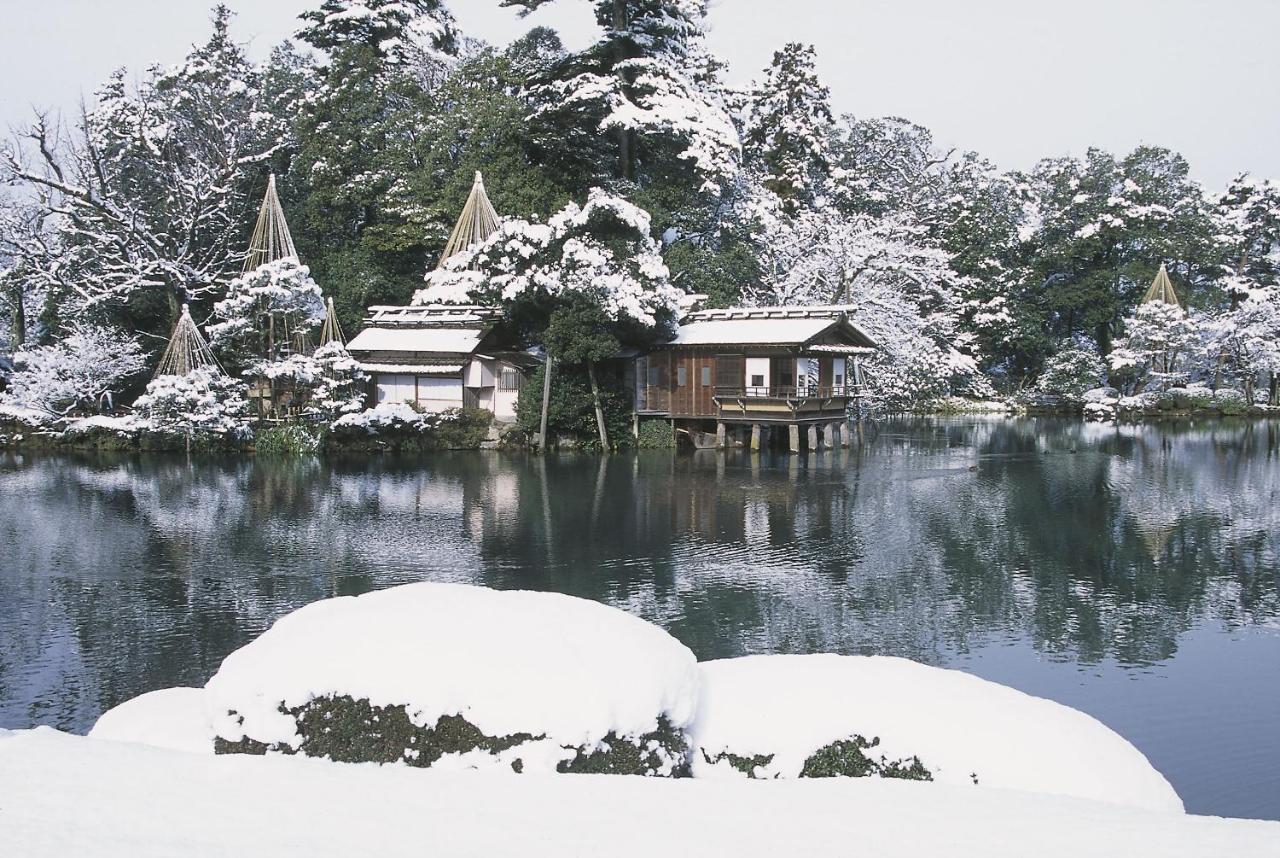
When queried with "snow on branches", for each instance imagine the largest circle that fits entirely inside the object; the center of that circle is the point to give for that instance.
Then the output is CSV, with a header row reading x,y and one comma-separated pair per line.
x,y
204,401
263,307
77,373
603,248
1159,345
396,29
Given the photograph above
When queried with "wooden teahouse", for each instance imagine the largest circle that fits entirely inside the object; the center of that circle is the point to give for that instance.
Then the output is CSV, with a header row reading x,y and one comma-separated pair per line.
x,y
759,369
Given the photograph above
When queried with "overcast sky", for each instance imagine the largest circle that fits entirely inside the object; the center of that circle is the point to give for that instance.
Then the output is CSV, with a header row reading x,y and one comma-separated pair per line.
x,y
1015,80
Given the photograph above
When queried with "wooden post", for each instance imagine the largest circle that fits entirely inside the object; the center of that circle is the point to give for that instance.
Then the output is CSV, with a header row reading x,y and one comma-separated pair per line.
x,y
795,438
720,436
845,431
813,438
755,437
546,401
595,398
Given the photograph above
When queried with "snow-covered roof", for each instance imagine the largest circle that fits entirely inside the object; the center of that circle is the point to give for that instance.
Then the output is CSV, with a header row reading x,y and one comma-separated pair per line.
x,y
783,332
415,368
430,314
431,340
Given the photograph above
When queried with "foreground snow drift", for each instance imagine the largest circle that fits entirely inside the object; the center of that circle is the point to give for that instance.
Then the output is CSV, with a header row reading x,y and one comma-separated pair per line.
x,y
173,718
770,716
65,795
452,675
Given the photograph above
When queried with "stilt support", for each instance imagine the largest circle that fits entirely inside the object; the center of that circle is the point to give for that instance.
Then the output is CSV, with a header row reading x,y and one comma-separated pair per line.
x,y
755,437
795,438
721,442
813,438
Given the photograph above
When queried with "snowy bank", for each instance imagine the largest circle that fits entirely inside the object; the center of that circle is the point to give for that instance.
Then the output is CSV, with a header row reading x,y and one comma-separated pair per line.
x,y
65,795
449,675
173,718
785,716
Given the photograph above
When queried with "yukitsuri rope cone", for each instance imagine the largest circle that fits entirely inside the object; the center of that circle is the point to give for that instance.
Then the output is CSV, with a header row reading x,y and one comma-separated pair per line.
x,y
187,350
331,332
271,239
1161,289
477,222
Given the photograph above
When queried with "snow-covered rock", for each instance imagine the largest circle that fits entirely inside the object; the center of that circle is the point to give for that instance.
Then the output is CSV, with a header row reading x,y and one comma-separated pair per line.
x,y
67,795
455,676
773,713
173,718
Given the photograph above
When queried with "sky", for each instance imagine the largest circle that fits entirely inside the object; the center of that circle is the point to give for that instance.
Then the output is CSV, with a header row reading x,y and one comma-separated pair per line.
x,y
1015,80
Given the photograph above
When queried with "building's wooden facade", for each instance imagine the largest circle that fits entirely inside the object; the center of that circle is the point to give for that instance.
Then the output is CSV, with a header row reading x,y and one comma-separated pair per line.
x,y
796,367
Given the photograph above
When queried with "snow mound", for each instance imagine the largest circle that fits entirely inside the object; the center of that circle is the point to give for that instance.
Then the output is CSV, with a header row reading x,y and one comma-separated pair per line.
x,y
124,425
542,676
961,728
173,718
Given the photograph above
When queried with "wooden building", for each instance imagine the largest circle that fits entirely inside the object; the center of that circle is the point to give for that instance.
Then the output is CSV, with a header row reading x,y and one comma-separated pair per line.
x,y
437,357
762,369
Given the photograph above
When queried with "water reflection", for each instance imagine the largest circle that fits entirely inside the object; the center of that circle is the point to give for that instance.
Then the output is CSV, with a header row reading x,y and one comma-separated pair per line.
x,y
933,539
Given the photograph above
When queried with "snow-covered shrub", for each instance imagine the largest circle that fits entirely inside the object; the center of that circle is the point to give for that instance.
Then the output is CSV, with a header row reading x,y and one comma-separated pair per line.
x,y
74,373
914,378
262,308
1230,402
1100,394
1071,372
819,715
1159,346
397,425
1100,411
202,402
446,675
289,439
340,386
1191,398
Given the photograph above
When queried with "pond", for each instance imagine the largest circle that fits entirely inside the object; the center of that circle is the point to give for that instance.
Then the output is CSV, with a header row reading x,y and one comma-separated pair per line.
x,y
1131,572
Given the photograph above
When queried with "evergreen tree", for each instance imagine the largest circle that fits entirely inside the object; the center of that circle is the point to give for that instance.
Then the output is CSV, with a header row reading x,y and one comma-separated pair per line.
x,y
788,126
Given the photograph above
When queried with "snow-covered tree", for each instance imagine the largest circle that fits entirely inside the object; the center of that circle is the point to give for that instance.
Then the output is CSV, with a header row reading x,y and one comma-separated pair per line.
x,y
650,84
1071,371
263,309
395,29
327,383
1249,213
148,193
75,374
1159,345
1244,340
886,166
205,401
603,248
788,125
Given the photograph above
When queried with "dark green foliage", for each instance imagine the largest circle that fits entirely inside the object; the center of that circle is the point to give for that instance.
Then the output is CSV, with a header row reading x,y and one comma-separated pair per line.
x,y
746,765
289,439
632,756
347,730
847,758
353,731
571,414
720,274
656,434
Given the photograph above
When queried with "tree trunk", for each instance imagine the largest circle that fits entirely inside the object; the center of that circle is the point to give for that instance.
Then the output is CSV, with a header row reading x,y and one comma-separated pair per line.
x,y
546,402
175,307
595,398
19,333
1273,389
626,147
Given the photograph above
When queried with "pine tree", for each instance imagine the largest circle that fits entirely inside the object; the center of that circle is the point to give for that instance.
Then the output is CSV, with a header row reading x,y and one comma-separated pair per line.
x,y
788,126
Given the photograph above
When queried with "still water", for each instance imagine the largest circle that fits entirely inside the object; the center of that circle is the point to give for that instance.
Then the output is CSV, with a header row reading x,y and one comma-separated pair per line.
x,y
1133,573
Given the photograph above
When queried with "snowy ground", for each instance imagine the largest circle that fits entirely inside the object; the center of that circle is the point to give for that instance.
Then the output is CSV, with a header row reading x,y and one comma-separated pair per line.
x,y
67,795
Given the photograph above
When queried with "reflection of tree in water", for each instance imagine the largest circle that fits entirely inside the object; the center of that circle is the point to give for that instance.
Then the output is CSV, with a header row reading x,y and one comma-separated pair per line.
x,y
134,573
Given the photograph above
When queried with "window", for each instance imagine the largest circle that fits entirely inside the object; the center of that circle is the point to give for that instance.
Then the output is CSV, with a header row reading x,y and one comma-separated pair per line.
x,y
655,376
757,381
839,380
511,379
682,376
706,376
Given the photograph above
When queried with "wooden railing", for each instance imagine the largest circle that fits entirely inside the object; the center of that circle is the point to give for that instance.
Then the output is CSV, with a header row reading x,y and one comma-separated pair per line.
x,y
841,391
